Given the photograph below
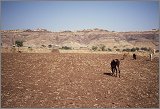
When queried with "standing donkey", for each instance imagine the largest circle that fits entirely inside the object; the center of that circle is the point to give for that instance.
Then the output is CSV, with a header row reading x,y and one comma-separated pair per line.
x,y
115,66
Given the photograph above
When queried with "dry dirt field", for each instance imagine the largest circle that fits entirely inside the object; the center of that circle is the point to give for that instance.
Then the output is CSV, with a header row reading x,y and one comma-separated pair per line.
x,y
77,80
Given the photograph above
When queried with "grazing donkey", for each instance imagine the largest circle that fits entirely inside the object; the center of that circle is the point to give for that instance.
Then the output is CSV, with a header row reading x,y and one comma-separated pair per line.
x,y
115,66
134,56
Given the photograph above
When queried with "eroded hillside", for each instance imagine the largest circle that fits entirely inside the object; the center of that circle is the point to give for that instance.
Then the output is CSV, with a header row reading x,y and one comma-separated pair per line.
x,y
84,38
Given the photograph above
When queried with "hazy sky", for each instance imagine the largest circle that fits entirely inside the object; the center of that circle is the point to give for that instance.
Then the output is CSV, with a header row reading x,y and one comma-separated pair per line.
x,y
78,15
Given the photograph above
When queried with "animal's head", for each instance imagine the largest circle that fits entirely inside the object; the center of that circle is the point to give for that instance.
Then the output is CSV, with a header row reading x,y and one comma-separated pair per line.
x,y
116,60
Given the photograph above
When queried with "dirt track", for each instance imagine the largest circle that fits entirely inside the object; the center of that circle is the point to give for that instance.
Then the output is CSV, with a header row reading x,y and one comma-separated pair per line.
x,y
77,80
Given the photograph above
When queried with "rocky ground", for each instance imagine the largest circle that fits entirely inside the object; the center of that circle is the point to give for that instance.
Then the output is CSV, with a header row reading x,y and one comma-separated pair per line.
x,y
77,80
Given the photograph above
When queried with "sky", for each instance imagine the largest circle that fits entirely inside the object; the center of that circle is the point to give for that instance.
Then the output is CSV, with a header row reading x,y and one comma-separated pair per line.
x,y
79,15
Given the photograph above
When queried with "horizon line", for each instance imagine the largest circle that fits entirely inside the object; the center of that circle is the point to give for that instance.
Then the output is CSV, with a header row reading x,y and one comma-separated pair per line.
x,y
34,29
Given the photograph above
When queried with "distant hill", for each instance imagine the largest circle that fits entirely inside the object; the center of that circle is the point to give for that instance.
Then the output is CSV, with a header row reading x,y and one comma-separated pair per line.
x,y
84,38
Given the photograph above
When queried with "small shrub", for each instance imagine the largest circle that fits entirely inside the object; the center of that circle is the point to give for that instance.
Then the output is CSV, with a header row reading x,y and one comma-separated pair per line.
x,y
30,48
117,49
66,48
43,45
145,49
49,46
137,48
103,48
94,48
133,49
127,50
109,49
157,51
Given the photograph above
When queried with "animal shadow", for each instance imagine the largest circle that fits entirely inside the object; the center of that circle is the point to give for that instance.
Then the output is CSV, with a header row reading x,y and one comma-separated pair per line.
x,y
109,74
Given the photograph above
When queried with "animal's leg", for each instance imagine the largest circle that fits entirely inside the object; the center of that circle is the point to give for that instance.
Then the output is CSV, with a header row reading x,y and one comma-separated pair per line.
x,y
119,71
116,71
112,71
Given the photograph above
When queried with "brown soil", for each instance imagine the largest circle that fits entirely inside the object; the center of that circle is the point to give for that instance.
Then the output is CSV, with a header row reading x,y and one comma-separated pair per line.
x,y
77,80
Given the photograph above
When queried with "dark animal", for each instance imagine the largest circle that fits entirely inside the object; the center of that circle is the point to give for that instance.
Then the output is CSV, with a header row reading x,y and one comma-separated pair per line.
x,y
115,67
134,56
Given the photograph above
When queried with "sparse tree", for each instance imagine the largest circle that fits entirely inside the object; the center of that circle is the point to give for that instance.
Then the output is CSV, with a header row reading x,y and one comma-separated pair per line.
x,y
19,44
103,47
137,48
